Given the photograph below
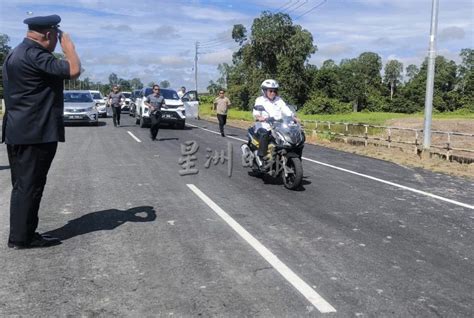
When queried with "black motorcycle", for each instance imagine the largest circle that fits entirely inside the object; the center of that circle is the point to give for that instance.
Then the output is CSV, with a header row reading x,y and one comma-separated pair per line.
x,y
284,152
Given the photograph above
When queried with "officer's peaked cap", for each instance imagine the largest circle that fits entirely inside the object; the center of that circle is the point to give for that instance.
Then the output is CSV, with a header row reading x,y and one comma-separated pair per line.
x,y
46,22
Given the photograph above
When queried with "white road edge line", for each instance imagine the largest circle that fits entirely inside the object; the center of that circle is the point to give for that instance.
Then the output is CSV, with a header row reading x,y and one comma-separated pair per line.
x,y
309,293
434,196
133,136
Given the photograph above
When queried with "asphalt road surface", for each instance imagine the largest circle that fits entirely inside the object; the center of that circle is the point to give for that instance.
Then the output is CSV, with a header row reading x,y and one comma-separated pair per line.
x,y
361,238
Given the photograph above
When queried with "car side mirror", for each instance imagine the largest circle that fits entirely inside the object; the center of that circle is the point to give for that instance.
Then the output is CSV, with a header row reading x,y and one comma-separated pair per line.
x,y
185,99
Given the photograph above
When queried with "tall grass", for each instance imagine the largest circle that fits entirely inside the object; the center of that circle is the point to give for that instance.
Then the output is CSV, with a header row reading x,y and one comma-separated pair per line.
x,y
376,118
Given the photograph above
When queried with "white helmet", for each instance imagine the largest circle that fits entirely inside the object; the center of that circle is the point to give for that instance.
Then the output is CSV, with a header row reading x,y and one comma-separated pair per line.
x,y
269,83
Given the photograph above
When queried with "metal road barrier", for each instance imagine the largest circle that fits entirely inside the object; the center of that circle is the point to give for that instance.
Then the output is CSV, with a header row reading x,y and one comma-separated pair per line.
x,y
455,145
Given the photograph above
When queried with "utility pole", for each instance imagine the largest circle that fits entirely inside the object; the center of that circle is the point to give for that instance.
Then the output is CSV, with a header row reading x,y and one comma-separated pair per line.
x,y
430,77
196,66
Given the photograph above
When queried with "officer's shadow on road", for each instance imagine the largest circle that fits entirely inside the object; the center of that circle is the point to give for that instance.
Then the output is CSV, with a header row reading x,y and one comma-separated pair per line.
x,y
102,221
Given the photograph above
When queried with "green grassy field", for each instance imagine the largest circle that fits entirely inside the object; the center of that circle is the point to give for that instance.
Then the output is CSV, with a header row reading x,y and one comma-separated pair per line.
x,y
366,118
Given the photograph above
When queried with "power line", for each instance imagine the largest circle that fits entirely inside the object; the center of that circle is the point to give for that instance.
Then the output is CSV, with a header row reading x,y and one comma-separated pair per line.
x,y
313,8
294,9
229,41
226,49
293,4
280,9
217,39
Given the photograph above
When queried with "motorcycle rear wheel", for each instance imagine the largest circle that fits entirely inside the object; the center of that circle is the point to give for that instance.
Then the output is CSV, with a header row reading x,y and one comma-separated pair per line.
x,y
293,180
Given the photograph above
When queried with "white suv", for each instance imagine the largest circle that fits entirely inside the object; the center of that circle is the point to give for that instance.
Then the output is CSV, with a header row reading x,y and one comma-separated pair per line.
x,y
126,103
173,114
99,103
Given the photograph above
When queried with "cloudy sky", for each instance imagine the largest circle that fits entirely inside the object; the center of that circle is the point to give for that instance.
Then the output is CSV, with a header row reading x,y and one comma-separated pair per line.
x,y
154,40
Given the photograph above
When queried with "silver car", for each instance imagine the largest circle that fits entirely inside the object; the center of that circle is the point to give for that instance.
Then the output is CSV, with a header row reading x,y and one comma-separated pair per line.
x,y
79,107
100,103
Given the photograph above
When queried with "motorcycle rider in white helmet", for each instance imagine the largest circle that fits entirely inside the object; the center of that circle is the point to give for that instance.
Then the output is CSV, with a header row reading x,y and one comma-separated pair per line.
x,y
269,105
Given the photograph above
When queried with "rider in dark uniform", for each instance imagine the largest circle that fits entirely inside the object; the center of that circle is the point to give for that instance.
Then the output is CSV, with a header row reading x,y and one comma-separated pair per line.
x,y
33,121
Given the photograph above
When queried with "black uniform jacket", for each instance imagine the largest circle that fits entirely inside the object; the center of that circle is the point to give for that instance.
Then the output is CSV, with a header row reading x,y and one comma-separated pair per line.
x,y
33,89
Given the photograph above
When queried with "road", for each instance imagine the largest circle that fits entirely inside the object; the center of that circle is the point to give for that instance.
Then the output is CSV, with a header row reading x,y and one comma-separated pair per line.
x,y
361,238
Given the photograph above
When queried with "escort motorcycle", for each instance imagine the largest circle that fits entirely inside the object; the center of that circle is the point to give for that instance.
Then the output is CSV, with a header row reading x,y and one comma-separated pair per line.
x,y
285,148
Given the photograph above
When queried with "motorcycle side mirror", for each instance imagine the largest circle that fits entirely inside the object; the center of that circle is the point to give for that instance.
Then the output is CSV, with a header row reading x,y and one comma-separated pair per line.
x,y
259,108
292,108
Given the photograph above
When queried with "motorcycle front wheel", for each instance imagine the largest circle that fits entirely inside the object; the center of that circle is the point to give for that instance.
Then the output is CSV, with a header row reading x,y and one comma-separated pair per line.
x,y
293,180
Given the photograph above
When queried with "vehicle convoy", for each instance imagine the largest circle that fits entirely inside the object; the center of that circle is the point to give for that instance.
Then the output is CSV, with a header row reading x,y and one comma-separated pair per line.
x,y
173,113
284,152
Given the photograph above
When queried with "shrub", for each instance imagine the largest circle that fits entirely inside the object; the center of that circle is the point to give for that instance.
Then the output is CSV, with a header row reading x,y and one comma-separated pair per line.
x,y
375,103
239,97
403,105
206,99
318,104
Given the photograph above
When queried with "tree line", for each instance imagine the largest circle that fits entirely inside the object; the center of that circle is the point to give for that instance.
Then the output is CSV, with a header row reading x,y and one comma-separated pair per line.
x,y
276,48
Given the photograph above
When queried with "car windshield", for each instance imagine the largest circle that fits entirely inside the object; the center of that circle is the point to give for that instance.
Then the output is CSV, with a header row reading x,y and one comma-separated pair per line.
x,y
127,95
96,96
169,94
166,93
70,97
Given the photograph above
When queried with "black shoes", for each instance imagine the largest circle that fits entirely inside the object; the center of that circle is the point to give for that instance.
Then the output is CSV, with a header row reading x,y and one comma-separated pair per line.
x,y
222,134
153,138
38,241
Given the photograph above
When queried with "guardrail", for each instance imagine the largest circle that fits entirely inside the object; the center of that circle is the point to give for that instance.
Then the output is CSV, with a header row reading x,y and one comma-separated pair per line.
x,y
387,136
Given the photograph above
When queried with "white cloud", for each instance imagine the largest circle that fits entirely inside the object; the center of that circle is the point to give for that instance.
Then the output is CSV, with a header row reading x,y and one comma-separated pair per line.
x,y
216,58
334,49
120,27
451,33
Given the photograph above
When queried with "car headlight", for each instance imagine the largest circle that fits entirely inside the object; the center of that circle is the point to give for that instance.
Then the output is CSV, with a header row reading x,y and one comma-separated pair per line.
x,y
90,108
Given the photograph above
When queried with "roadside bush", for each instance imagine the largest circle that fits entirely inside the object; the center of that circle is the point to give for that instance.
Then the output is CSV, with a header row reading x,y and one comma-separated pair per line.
x,y
239,97
318,104
467,104
206,99
375,103
403,105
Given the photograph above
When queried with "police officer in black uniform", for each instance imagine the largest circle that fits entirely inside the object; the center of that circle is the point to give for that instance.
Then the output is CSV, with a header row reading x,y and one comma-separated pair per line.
x,y
33,121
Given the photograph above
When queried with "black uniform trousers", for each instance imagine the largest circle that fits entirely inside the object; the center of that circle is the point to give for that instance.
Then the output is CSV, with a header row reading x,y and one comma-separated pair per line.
x,y
222,121
116,111
263,141
155,118
29,166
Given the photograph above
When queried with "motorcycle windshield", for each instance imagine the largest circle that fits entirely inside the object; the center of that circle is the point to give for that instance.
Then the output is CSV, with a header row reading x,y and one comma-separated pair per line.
x,y
290,130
